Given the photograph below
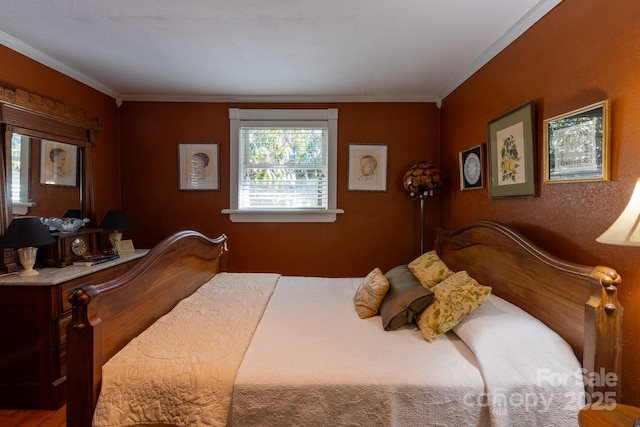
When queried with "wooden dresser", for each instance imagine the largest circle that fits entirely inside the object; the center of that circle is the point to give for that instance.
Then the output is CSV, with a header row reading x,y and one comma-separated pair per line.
x,y
34,313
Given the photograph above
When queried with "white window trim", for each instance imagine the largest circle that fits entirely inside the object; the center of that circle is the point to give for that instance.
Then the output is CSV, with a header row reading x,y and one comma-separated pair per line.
x,y
330,115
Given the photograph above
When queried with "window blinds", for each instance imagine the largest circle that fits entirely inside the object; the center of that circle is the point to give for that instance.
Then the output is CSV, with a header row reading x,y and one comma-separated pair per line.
x,y
283,167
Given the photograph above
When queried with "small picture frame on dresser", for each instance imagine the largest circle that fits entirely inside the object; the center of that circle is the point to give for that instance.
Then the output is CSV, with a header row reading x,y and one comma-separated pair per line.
x,y
125,247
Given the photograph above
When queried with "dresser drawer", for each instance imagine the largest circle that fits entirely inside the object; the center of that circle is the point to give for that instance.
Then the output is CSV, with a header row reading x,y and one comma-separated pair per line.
x,y
34,315
64,322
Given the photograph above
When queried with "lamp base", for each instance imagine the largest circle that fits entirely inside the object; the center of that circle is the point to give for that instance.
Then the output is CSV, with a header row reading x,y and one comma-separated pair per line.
x,y
114,237
28,259
28,273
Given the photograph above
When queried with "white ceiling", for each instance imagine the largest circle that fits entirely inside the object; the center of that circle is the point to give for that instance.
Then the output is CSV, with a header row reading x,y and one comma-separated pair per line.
x,y
252,50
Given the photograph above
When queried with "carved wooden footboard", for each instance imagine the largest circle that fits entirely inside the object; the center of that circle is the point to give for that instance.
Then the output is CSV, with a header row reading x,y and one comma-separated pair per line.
x,y
578,302
108,315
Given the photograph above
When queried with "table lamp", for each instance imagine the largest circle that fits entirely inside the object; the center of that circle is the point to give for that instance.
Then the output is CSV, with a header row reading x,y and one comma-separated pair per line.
x,y
115,221
420,181
72,213
625,231
26,234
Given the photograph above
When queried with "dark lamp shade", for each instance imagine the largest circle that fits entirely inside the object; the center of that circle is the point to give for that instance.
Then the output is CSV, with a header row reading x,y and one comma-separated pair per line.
x,y
72,213
25,232
115,220
422,177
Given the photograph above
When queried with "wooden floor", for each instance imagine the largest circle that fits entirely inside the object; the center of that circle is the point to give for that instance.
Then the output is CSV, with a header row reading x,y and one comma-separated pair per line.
x,y
33,418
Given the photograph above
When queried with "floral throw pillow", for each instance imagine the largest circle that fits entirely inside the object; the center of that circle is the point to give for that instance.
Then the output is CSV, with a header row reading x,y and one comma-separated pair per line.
x,y
429,269
370,294
455,298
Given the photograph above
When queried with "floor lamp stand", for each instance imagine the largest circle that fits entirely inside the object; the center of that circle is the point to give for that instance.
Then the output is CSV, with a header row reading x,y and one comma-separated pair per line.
x,y
426,194
421,225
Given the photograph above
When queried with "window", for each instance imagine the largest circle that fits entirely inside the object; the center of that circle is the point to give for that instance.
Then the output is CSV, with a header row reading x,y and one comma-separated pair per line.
x,y
20,158
283,165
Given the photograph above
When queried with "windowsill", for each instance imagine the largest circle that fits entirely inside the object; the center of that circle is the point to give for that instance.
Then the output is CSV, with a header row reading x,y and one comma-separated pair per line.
x,y
22,208
284,215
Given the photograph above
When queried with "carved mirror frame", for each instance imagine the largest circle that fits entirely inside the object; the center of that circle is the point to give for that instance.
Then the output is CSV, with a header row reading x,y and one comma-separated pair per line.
x,y
39,117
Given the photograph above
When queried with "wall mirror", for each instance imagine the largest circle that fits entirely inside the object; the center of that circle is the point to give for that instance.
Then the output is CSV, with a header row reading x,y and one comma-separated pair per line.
x,y
45,176
47,157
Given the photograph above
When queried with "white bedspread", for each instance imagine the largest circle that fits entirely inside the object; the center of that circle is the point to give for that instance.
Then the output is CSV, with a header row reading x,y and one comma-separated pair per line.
x,y
314,362
180,371
307,359
531,374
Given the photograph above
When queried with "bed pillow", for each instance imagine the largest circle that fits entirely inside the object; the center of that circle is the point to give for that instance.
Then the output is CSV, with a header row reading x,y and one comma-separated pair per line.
x,y
429,269
370,293
405,300
455,297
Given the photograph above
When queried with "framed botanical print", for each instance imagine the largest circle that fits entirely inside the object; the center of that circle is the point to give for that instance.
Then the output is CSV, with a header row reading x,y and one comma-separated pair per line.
x,y
511,153
472,168
198,166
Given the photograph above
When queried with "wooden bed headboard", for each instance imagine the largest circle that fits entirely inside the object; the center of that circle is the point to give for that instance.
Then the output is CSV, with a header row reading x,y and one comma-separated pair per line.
x,y
106,316
578,302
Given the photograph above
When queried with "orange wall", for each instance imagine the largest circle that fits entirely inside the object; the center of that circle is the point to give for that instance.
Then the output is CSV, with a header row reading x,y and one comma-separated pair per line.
x,y
378,229
18,71
584,51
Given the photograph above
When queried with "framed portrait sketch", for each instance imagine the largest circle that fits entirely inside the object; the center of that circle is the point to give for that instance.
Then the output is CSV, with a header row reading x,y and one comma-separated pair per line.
x,y
511,153
472,168
367,167
576,145
198,166
58,163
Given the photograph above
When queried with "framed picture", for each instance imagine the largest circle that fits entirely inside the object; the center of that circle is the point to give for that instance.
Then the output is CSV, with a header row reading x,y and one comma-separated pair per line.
x,y
125,247
511,153
472,168
576,145
367,167
198,166
58,163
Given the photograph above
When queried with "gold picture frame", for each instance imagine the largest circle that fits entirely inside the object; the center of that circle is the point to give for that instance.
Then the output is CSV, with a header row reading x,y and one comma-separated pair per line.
x,y
125,247
576,145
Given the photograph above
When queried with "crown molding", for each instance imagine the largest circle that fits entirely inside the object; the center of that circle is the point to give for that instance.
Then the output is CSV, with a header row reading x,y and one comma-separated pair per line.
x,y
278,98
535,14
519,28
36,55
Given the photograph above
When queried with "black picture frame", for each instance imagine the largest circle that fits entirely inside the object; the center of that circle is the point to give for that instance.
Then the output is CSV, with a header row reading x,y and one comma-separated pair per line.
x,y
472,168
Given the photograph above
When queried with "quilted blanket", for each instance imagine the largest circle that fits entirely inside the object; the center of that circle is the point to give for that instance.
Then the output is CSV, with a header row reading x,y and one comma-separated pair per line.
x,y
314,362
181,370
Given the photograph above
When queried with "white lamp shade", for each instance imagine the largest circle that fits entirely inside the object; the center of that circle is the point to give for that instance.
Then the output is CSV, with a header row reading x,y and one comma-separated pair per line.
x,y
625,231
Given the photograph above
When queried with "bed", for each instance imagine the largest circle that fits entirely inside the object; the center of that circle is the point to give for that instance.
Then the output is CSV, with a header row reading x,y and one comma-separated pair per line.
x,y
294,357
